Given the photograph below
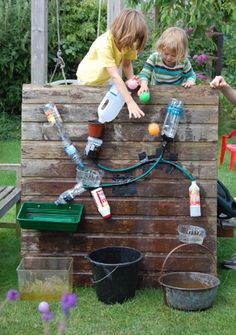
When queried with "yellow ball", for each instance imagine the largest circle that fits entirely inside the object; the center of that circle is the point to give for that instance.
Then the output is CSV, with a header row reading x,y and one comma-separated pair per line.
x,y
153,129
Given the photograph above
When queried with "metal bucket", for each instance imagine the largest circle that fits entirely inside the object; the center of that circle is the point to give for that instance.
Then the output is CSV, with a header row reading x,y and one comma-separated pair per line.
x,y
189,291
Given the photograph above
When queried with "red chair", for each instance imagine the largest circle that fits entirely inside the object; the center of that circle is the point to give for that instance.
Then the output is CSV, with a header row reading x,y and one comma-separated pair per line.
x,y
230,147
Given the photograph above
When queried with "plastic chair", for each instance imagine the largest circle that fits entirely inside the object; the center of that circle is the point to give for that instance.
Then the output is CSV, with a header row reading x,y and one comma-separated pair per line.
x,y
230,147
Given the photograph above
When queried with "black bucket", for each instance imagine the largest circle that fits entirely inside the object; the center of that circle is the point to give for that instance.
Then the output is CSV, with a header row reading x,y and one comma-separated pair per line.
x,y
115,273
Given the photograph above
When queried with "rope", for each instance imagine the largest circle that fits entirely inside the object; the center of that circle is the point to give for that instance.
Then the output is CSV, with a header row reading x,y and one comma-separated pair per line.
x,y
59,60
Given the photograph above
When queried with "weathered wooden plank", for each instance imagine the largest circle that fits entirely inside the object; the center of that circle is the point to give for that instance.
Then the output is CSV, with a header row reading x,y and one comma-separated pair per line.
x,y
119,132
76,113
148,188
8,197
55,169
33,94
145,207
124,151
56,242
66,169
142,224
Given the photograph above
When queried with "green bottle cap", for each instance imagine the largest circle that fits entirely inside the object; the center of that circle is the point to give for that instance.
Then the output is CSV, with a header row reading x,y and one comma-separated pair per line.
x,y
144,97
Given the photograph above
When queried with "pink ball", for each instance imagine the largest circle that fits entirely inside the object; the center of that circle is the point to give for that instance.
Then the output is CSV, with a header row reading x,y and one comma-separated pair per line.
x,y
43,307
132,84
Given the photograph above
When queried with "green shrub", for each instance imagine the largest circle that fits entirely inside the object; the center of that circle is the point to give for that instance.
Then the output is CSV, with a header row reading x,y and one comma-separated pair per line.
x,y
14,52
78,29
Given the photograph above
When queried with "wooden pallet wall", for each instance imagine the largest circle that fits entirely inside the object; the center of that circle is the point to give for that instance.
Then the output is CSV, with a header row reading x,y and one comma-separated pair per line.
x,y
147,213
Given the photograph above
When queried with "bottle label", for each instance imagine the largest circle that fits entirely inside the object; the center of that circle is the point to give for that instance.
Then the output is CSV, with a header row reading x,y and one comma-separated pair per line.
x,y
194,198
52,114
101,197
50,117
70,149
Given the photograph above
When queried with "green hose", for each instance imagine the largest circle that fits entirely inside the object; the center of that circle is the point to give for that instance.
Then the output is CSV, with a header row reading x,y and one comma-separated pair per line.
x,y
102,167
185,172
137,178
157,161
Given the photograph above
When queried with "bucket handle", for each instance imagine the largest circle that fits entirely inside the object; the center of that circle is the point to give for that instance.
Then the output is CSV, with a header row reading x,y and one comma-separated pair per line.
x,y
184,245
106,276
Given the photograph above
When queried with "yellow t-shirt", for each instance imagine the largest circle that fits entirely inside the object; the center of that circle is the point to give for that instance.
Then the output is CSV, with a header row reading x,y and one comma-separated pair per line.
x,y
103,53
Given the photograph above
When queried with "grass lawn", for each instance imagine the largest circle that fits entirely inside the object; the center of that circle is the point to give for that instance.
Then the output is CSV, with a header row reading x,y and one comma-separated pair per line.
x,y
145,315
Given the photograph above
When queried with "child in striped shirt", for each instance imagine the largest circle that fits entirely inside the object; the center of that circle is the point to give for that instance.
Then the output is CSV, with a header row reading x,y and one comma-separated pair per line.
x,y
169,65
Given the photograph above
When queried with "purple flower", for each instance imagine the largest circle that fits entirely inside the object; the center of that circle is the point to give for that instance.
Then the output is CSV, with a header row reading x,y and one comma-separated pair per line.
x,y
48,316
12,295
43,307
189,31
68,301
201,59
201,76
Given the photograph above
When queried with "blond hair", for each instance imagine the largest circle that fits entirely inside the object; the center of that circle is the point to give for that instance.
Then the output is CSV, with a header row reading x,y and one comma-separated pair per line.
x,y
173,40
129,29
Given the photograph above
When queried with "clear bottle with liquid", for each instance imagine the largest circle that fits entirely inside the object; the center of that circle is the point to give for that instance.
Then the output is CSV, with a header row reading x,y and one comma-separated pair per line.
x,y
72,152
70,194
54,118
110,105
194,199
173,114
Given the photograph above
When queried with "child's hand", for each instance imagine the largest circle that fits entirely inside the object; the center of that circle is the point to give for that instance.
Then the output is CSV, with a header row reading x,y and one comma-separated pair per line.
x,y
137,79
134,110
188,84
218,82
143,88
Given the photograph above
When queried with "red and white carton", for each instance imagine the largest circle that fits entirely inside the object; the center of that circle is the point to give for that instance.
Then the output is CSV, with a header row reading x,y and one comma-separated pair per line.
x,y
101,202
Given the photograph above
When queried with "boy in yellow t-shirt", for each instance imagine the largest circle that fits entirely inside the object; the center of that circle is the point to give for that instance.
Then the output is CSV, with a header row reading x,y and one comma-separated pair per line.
x,y
119,45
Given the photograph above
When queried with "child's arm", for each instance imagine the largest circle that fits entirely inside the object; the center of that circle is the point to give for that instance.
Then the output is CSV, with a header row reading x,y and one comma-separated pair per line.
x,y
127,67
134,110
146,74
220,83
189,74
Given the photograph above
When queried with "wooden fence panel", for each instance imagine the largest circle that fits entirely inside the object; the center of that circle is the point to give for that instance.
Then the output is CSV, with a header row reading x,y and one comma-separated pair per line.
x,y
146,214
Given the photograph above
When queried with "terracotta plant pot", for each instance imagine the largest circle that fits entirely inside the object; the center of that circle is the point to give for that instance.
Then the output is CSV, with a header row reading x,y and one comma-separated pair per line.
x,y
95,129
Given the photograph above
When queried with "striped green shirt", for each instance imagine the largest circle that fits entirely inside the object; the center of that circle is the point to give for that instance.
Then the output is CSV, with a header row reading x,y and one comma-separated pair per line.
x,y
157,73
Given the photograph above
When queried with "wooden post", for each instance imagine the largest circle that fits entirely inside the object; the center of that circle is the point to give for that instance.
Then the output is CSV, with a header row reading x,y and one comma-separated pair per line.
x,y
39,41
113,8
219,54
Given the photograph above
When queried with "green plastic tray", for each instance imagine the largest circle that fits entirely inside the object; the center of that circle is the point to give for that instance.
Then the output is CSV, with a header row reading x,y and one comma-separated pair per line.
x,y
48,216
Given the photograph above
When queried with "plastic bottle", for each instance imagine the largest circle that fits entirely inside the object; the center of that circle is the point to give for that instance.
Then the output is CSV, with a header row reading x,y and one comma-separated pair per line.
x,y
54,118
72,152
101,202
194,199
70,194
110,105
173,113
52,114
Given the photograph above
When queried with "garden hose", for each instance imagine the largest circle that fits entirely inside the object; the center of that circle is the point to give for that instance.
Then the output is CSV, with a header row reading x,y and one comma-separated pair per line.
x,y
180,168
136,178
155,162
